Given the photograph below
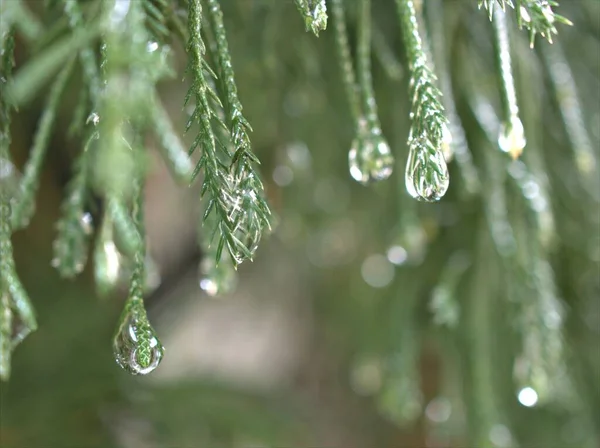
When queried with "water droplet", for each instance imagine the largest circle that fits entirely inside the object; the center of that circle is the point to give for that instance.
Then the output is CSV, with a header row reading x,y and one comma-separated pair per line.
x,y
512,137
370,158
528,397
151,47
135,345
427,176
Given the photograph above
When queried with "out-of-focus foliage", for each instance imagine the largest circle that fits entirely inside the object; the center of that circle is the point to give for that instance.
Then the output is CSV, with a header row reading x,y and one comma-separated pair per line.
x,y
473,321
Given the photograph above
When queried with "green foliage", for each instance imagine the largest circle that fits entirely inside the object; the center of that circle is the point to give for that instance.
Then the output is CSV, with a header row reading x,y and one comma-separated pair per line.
x,y
493,282
314,13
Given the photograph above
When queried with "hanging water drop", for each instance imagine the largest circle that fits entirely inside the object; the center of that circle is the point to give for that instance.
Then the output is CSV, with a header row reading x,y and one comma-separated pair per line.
x,y
427,176
370,158
512,137
136,347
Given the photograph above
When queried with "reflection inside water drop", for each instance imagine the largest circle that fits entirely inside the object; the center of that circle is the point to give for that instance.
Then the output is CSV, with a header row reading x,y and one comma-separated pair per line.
x,y
135,346
370,158
426,174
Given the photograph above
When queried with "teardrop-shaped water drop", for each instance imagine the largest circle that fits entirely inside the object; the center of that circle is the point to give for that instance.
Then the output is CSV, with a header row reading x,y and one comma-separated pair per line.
x,y
136,346
512,137
370,158
427,176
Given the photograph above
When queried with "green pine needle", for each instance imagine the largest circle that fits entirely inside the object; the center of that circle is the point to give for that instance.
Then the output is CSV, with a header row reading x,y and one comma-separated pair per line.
x,y
535,15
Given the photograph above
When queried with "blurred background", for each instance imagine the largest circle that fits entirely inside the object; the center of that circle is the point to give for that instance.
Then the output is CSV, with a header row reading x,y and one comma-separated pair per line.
x,y
367,319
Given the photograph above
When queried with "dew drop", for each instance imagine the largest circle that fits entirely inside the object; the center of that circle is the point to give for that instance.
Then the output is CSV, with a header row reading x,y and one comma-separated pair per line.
x,y
135,345
426,176
512,137
370,158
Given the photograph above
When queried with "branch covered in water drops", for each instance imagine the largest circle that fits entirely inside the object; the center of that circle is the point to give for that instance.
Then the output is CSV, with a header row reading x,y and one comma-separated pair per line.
x,y
426,171
232,187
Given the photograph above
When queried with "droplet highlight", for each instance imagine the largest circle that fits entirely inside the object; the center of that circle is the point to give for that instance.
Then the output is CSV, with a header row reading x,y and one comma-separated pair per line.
x,y
512,137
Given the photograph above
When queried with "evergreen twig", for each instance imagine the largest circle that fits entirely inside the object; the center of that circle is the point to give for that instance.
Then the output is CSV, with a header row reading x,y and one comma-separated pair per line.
x,y
512,135
535,15
314,13
426,170
10,285
240,214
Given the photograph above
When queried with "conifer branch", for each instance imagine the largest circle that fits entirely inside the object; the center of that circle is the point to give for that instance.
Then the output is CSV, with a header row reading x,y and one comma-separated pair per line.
x,y
136,346
171,147
426,170
314,13
74,227
512,134
157,19
567,99
345,59
535,15
86,54
456,133
24,206
6,329
12,293
241,214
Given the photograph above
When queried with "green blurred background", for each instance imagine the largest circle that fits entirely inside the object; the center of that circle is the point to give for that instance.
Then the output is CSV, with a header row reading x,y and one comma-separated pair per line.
x,y
300,354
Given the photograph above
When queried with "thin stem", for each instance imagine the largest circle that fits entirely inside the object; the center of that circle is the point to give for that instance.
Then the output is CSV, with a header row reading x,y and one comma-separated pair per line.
x,y
343,47
363,65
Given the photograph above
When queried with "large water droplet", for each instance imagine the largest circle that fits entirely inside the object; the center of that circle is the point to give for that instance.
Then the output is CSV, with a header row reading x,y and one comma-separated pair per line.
x,y
370,158
135,345
427,176
512,137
